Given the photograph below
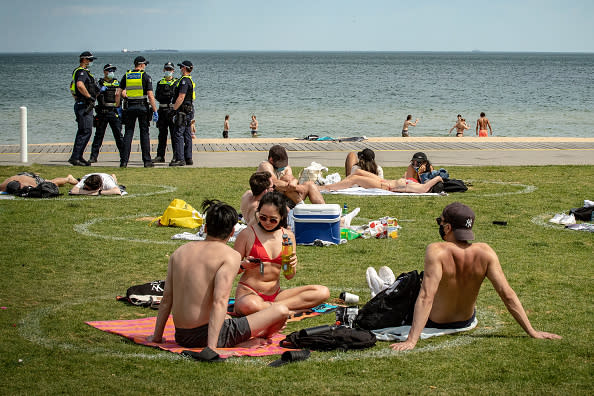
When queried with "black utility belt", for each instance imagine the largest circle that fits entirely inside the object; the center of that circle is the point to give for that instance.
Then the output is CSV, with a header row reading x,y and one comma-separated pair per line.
x,y
165,106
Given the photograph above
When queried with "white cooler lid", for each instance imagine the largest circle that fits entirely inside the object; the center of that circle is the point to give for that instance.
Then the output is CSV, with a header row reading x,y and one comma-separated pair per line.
x,y
317,209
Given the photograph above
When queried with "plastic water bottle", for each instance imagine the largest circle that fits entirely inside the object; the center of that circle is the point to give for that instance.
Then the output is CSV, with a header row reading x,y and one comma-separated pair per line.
x,y
345,209
286,253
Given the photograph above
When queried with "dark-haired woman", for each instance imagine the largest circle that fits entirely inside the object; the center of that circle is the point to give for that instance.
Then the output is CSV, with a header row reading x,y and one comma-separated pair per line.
x,y
364,160
259,285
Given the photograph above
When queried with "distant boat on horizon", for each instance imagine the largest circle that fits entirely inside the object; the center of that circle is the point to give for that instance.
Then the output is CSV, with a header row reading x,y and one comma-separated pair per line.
x,y
162,50
127,51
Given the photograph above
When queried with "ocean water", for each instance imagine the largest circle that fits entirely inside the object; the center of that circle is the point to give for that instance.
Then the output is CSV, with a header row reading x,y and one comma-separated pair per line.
x,y
336,94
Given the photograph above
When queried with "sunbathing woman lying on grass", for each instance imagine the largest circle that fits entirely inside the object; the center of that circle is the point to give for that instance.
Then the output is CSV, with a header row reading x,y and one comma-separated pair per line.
x,y
369,180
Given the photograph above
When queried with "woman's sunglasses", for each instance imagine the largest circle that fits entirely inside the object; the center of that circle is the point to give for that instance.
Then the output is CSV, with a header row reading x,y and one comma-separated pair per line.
x,y
264,219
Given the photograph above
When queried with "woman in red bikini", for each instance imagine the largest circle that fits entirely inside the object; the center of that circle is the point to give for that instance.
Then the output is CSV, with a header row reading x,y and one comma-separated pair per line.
x,y
259,285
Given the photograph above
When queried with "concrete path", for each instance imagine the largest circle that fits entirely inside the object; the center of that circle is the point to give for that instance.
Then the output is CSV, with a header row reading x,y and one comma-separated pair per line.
x,y
443,151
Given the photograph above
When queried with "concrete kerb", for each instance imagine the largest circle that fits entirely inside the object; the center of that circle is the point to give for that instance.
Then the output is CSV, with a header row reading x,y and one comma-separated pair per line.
x,y
390,151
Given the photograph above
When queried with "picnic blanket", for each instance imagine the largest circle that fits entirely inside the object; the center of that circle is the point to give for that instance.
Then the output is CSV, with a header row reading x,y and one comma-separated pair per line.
x,y
137,330
377,191
400,333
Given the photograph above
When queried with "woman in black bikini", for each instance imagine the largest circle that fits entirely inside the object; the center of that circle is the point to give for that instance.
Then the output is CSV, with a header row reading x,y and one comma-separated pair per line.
x,y
259,285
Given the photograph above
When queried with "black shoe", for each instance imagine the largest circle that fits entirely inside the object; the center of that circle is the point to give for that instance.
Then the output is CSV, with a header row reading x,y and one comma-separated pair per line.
x,y
78,162
92,160
84,161
189,162
149,164
158,159
177,163
123,164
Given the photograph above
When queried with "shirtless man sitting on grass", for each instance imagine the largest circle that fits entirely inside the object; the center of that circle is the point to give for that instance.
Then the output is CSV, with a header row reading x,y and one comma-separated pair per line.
x,y
454,273
260,184
369,180
284,181
199,279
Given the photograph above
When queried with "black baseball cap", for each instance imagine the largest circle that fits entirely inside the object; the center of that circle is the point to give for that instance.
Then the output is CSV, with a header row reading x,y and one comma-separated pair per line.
x,y
461,218
87,55
169,65
366,154
278,155
140,59
421,157
186,63
109,67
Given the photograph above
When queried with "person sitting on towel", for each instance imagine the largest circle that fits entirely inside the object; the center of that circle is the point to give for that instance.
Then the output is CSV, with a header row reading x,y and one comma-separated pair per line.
x,y
284,181
259,285
260,184
199,279
369,180
365,160
419,164
454,272
97,184
27,179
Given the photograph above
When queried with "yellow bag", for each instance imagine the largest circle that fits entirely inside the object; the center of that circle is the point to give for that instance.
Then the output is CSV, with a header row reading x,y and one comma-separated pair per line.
x,y
180,214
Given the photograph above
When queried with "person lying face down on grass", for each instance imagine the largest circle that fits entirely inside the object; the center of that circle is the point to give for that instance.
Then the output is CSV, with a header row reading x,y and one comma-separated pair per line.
x,y
369,180
454,272
27,179
97,184
259,286
199,279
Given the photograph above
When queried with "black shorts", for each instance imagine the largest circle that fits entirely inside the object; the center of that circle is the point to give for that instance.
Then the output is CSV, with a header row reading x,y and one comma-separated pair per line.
x,y
234,331
452,325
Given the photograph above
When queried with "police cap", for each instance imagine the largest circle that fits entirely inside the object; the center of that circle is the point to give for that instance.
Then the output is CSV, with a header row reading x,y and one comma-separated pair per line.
x,y
186,64
140,59
87,55
169,66
109,67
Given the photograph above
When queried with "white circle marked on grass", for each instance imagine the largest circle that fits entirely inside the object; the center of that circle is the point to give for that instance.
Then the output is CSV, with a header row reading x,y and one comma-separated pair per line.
x,y
30,328
85,229
543,221
527,188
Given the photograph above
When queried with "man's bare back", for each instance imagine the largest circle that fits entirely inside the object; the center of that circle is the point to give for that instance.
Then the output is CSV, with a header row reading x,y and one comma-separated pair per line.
x,y
196,268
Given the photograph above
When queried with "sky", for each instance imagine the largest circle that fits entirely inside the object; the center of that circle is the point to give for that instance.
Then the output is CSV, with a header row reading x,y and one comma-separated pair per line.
x,y
303,25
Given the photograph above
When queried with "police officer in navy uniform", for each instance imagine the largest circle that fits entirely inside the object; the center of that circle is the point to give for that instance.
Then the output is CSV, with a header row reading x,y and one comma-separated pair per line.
x,y
164,94
136,88
84,90
183,99
107,111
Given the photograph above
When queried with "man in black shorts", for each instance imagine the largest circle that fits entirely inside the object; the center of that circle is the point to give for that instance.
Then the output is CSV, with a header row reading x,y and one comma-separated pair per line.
x,y
199,280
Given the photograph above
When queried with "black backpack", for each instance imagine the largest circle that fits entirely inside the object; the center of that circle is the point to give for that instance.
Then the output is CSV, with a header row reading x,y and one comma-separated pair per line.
x,y
44,189
454,185
393,306
328,338
147,294
583,213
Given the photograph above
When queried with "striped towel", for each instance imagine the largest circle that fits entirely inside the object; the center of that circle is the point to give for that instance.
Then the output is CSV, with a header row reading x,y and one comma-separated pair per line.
x,y
138,330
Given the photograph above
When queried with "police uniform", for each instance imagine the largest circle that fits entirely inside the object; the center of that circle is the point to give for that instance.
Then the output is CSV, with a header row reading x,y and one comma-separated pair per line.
x,y
136,83
83,110
182,138
164,95
106,113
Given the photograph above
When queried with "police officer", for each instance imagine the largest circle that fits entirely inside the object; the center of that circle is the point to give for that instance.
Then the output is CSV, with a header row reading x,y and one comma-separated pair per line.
x,y
84,90
136,87
183,98
164,94
108,103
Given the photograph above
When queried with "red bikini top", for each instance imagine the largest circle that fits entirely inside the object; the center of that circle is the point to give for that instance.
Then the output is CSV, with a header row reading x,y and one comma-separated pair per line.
x,y
258,251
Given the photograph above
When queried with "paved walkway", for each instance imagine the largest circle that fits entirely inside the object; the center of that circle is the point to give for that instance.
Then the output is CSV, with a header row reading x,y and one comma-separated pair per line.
x,y
444,151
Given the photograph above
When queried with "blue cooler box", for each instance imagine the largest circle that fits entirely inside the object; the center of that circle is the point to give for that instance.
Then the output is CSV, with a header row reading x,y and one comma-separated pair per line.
x,y
317,221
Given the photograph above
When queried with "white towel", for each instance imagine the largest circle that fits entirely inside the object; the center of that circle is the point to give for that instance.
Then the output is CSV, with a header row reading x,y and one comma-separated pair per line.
x,y
401,333
376,191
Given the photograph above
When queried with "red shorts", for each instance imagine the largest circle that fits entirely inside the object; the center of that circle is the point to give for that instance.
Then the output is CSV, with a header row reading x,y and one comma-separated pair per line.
x,y
483,133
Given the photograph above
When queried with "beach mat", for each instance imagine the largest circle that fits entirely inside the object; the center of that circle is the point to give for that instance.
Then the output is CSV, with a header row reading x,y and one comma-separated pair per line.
x,y
137,330
360,191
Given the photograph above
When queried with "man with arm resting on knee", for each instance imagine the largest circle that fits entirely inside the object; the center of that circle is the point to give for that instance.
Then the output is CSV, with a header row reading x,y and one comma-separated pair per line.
x,y
454,272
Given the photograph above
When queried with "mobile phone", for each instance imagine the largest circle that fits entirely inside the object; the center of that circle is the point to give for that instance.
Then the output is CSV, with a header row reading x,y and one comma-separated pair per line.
x,y
254,260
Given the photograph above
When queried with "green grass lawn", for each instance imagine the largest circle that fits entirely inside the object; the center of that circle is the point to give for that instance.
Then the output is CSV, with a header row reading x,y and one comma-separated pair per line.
x,y
65,260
